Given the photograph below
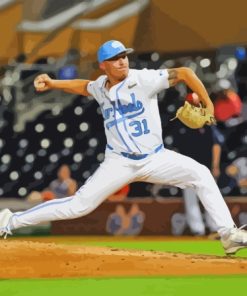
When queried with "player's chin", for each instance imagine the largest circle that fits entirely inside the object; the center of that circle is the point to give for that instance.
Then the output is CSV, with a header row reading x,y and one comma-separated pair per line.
x,y
123,72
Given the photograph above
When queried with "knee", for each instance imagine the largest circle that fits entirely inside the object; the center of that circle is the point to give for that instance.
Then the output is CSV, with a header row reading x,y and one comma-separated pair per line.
x,y
84,205
204,176
204,170
201,172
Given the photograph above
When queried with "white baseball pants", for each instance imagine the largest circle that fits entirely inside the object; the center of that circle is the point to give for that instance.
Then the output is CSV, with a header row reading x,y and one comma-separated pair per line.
x,y
193,214
165,167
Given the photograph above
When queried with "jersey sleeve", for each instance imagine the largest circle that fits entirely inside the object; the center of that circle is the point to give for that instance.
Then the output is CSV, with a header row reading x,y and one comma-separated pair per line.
x,y
91,88
95,88
154,80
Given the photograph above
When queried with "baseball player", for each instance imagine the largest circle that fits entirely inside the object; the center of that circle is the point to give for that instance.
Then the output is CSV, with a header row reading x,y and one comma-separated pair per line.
x,y
134,150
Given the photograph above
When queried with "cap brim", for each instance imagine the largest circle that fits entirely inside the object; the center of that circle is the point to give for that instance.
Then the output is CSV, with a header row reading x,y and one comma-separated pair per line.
x,y
129,50
126,51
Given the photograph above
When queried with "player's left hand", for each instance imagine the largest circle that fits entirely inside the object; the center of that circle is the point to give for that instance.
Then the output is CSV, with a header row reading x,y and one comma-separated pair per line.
x,y
195,117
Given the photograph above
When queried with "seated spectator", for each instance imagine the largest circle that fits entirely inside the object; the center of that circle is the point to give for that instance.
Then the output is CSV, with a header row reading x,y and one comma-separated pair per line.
x,y
238,170
125,223
118,221
63,186
34,197
137,218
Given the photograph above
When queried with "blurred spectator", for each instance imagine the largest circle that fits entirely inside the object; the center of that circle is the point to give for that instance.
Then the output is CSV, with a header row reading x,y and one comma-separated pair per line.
x,y
118,221
125,223
231,117
137,218
238,170
64,185
228,103
68,72
34,197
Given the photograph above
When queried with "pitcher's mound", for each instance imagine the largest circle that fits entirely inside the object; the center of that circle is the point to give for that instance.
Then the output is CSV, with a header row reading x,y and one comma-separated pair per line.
x,y
23,259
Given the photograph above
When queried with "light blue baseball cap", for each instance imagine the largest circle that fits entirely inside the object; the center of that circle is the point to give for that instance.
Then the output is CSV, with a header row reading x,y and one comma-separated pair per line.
x,y
111,49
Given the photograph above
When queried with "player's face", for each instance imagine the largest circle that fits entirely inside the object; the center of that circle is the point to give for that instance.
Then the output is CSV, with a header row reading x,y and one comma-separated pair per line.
x,y
116,67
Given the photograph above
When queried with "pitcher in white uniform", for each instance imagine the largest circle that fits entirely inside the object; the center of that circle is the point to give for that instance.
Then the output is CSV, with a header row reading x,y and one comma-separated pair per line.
x,y
134,150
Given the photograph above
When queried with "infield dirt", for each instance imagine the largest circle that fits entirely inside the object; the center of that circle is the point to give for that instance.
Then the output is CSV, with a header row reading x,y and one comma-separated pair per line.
x,y
28,259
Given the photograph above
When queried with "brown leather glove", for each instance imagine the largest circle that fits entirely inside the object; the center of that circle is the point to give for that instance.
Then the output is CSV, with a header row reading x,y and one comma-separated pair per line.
x,y
194,117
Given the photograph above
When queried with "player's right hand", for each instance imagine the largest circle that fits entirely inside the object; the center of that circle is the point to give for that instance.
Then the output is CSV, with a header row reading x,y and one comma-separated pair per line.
x,y
42,82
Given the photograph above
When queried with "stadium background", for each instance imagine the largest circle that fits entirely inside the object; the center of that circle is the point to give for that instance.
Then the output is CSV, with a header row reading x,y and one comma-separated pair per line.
x,y
39,132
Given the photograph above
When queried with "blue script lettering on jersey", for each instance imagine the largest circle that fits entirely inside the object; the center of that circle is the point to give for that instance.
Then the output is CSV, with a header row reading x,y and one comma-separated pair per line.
x,y
106,112
122,109
123,118
135,105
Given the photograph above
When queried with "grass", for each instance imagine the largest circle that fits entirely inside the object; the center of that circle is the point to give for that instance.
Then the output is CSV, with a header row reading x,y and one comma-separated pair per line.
x,y
196,247
168,286
190,246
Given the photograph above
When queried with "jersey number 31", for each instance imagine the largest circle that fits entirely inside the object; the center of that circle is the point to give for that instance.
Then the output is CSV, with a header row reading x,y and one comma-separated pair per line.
x,y
140,127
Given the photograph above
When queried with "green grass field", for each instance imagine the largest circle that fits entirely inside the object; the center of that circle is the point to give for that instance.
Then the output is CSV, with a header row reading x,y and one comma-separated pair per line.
x,y
137,286
190,247
172,286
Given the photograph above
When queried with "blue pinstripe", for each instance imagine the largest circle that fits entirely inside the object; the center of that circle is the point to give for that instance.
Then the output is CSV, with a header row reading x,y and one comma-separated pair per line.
x,y
46,204
115,119
124,121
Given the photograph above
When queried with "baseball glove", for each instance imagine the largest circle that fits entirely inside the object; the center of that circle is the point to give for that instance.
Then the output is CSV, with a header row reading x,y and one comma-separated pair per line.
x,y
194,117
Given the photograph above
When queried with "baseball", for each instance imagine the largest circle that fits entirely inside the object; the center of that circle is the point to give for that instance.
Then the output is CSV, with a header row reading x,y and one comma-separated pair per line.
x,y
193,99
39,85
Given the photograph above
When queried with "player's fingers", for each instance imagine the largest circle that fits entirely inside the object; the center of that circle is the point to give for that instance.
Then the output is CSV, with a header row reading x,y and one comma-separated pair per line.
x,y
38,83
42,78
202,111
211,121
42,87
45,77
41,82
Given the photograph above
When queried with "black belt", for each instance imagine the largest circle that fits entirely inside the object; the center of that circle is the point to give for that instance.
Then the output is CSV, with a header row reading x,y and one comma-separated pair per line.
x,y
141,156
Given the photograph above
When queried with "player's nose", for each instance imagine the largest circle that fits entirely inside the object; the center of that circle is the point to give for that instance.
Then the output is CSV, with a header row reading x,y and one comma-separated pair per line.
x,y
122,62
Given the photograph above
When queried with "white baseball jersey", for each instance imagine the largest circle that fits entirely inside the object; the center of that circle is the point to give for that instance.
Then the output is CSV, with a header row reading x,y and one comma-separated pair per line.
x,y
130,110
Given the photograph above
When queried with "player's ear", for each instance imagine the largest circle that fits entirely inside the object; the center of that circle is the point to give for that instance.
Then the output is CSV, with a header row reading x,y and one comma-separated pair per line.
x,y
102,66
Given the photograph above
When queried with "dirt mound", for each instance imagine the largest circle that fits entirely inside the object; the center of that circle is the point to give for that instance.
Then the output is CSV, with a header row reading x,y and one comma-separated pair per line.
x,y
26,259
